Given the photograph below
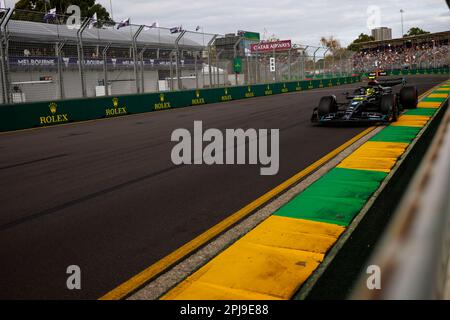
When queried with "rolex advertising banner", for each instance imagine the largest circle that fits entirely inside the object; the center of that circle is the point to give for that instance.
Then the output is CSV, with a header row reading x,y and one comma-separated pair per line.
x,y
42,114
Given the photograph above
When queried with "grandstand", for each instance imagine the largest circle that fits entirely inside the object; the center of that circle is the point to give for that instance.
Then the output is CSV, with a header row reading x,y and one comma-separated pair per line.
x,y
43,59
415,52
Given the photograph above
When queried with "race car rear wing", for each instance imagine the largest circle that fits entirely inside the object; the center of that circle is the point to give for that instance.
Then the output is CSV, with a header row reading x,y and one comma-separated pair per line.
x,y
391,82
385,82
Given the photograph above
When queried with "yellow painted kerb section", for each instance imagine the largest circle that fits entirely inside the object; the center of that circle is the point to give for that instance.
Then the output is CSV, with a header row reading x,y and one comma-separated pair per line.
x,y
271,262
426,104
411,121
438,95
374,156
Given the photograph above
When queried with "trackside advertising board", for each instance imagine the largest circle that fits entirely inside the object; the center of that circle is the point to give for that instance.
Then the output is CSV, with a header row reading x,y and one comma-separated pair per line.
x,y
280,45
48,113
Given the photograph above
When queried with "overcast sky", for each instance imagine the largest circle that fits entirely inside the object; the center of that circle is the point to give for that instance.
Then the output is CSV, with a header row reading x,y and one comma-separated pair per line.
x,y
303,21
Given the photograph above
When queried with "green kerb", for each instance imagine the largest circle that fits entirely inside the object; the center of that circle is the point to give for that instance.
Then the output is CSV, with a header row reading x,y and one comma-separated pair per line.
x,y
396,134
335,198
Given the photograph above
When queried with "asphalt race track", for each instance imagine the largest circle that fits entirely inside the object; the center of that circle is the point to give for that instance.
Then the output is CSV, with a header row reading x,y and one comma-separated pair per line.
x,y
105,195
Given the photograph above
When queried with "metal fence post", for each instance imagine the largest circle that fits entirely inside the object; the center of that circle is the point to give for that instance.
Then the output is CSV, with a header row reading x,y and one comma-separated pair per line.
x,y
203,70
266,69
324,62
80,31
304,56
289,68
196,71
4,54
141,57
105,68
217,67
58,48
276,67
332,64
256,67
209,59
135,62
300,66
171,69
314,62
214,73
235,56
177,62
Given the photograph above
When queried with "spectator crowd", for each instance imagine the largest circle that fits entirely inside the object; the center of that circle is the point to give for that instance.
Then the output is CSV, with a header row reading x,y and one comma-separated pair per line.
x,y
426,55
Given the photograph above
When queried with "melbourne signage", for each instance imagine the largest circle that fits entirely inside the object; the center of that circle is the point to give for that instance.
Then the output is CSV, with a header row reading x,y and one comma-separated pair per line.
x,y
33,61
271,46
70,61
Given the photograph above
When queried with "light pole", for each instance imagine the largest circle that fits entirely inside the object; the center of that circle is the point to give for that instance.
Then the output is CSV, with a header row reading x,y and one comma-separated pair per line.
x,y
110,5
401,14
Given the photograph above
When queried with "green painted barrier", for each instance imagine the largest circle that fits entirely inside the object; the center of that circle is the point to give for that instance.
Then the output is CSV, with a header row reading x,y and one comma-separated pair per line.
x,y
40,114
414,72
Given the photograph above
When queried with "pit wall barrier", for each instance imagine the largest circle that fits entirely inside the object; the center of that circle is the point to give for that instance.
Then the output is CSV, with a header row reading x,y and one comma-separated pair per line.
x,y
278,256
41,114
400,72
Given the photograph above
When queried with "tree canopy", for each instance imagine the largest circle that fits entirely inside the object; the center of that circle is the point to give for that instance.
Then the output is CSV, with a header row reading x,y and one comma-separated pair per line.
x,y
88,8
415,31
354,46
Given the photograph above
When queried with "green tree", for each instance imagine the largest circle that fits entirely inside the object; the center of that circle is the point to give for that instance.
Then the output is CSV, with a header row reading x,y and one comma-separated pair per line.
x,y
415,31
355,45
34,10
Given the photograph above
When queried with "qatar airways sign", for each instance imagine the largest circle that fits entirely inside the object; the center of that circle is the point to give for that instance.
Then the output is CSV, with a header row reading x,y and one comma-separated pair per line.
x,y
271,46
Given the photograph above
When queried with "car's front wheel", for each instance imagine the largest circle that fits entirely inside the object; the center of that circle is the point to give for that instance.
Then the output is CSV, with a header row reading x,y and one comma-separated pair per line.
x,y
327,105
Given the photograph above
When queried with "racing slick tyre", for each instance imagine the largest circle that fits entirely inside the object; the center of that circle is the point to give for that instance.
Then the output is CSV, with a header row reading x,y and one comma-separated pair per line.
x,y
409,97
388,106
327,105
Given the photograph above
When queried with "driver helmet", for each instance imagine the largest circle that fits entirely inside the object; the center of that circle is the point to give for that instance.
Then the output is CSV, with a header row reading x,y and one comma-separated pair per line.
x,y
370,91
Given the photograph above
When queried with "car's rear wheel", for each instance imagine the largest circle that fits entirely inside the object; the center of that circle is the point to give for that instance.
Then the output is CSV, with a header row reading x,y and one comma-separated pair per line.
x,y
388,106
327,105
409,97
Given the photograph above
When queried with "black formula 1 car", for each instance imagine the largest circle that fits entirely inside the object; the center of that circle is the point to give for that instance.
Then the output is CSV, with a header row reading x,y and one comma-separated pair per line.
x,y
369,104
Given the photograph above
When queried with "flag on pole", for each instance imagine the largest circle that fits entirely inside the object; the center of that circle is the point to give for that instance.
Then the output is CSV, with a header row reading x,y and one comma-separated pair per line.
x,y
50,15
123,23
93,21
176,29
154,25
